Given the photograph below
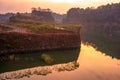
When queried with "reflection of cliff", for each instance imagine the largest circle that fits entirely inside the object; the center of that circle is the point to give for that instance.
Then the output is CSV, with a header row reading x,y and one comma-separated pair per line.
x,y
39,71
33,59
103,45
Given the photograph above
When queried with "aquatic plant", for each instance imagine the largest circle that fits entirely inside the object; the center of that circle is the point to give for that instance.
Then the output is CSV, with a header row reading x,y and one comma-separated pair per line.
x,y
47,58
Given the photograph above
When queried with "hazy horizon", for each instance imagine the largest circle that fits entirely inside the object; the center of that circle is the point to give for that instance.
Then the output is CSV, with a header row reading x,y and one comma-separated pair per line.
x,y
58,6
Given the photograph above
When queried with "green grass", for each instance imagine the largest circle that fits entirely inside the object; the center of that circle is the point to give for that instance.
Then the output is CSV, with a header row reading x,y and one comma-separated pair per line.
x,y
35,26
38,26
67,26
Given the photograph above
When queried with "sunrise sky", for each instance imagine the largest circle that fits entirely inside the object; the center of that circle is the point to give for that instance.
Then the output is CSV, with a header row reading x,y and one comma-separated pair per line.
x,y
59,6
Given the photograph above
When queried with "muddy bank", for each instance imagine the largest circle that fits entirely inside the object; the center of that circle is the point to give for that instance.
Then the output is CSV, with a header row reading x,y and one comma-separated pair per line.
x,y
20,42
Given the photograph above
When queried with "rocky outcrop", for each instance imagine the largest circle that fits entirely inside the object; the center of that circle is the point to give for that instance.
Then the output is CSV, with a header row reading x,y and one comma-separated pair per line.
x,y
45,14
21,42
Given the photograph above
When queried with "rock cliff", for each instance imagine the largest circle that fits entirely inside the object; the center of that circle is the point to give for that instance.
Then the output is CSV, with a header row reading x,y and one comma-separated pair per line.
x,y
20,42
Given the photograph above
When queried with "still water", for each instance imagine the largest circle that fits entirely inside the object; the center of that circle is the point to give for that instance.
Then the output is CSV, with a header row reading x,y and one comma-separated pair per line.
x,y
90,65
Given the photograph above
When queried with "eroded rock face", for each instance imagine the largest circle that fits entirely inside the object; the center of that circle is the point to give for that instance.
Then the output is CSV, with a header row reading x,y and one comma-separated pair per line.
x,y
17,42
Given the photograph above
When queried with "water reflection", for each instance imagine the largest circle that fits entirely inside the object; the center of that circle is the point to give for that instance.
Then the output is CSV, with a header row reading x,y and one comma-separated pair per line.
x,y
107,49
26,60
64,60
105,46
94,65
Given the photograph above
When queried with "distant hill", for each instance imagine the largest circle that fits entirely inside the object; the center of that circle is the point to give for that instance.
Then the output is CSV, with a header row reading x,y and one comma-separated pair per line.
x,y
103,21
101,27
58,17
5,17
24,17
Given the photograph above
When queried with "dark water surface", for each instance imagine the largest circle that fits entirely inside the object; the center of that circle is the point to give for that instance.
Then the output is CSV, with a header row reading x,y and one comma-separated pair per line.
x,y
90,65
28,60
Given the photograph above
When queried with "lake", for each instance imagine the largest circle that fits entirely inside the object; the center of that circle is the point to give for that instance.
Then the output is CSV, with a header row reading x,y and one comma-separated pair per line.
x,y
90,64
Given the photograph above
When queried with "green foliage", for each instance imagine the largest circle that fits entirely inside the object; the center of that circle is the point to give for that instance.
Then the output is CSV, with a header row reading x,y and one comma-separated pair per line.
x,y
32,25
37,26
6,24
26,21
67,26
72,26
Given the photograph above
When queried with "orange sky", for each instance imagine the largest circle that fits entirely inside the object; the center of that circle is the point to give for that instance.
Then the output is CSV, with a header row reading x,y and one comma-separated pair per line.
x,y
59,6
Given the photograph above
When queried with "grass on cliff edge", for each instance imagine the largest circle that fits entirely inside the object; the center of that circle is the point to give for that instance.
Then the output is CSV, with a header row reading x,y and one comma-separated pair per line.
x,y
32,27
38,26
69,26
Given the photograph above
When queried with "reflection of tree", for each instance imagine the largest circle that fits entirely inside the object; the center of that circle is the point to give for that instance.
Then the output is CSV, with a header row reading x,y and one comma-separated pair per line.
x,y
109,48
39,70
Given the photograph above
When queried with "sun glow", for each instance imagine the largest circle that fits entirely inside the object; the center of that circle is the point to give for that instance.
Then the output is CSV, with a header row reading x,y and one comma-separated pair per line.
x,y
62,1
59,6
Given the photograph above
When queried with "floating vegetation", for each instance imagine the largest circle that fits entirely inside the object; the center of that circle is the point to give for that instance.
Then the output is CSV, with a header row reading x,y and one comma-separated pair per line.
x,y
47,58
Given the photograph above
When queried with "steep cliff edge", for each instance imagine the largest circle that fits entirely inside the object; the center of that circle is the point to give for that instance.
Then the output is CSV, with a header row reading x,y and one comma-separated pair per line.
x,y
21,42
